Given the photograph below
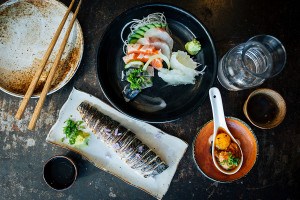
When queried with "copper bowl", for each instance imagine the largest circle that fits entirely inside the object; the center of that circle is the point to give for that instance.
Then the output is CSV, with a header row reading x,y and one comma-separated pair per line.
x,y
202,150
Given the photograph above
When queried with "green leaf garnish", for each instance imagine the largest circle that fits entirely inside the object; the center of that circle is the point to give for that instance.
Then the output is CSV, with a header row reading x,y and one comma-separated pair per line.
x,y
72,130
136,79
231,161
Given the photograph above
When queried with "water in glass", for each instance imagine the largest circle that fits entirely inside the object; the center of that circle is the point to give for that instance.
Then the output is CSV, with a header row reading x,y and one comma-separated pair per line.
x,y
245,66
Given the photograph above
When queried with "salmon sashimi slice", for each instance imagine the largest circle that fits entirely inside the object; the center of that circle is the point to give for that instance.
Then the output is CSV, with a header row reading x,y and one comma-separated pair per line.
x,y
142,57
142,53
129,58
158,44
144,49
156,63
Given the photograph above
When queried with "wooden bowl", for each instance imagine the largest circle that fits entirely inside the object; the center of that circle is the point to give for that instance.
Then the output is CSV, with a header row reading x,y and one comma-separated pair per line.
x,y
277,99
202,150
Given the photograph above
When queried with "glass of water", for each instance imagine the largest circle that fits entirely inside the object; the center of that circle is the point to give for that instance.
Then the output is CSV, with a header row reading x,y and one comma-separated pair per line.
x,y
249,64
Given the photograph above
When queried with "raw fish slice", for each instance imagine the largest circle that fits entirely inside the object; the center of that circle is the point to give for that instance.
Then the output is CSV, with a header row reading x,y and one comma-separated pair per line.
x,y
133,48
144,49
158,44
129,57
165,49
160,34
157,63
141,57
125,143
143,41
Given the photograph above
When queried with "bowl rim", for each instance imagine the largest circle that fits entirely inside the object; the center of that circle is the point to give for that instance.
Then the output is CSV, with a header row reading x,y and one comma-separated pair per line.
x,y
167,5
234,180
64,157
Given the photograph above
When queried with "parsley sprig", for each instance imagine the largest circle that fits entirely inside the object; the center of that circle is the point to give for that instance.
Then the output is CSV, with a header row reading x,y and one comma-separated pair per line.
x,y
136,79
72,130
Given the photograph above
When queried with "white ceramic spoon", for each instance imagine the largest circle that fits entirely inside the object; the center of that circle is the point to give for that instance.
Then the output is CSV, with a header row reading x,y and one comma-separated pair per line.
x,y
219,122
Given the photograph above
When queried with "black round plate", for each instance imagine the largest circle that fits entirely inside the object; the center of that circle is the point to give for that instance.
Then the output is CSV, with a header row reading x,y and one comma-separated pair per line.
x,y
180,100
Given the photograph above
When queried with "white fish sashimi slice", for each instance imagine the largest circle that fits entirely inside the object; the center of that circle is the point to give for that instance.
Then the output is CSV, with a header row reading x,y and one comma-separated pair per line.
x,y
160,34
176,62
165,49
175,77
143,41
158,44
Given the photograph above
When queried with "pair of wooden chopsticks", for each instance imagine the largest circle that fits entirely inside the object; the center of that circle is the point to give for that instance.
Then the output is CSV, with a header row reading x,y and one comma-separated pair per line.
x,y
53,69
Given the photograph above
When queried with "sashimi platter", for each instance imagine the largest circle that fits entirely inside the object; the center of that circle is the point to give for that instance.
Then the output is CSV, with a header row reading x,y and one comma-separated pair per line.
x,y
161,64
148,44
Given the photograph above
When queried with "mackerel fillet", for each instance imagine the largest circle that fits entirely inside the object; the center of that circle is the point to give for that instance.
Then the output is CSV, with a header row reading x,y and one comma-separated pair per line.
x,y
124,142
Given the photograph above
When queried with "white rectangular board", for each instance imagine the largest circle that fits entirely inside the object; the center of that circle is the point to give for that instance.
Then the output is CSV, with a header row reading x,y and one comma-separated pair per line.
x,y
169,148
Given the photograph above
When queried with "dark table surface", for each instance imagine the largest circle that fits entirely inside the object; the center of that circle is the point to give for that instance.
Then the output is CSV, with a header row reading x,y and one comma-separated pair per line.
x,y
276,172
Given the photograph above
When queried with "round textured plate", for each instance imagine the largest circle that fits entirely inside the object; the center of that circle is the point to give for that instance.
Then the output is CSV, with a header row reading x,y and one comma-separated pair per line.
x,y
26,30
202,150
148,106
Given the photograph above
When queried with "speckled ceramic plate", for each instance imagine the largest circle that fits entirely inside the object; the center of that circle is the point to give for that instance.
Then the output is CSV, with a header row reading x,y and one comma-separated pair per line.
x,y
202,150
26,30
169,148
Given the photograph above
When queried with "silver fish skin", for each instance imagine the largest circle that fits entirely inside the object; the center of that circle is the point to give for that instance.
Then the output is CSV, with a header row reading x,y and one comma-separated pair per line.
x,y
129,148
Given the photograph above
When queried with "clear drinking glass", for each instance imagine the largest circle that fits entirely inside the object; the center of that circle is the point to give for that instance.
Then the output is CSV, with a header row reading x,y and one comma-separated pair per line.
x,y
249,64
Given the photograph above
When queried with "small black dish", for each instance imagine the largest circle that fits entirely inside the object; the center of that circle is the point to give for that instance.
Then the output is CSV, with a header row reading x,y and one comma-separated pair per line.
x,y
60,172
179,100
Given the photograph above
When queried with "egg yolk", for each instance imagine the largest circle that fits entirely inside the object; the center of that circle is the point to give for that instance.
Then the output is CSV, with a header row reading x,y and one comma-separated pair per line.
x,y
222,141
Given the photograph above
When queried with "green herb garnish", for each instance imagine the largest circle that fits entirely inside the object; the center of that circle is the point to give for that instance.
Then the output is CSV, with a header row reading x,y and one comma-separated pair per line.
x,y
231,161
137,79
73,132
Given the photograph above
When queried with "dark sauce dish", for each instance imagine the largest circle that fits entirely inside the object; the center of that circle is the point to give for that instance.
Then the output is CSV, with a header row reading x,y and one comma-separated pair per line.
x,y
265,108
179,100
60,172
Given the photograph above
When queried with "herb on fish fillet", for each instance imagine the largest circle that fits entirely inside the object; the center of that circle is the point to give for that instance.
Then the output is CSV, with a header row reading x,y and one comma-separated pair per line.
x,y
73,132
